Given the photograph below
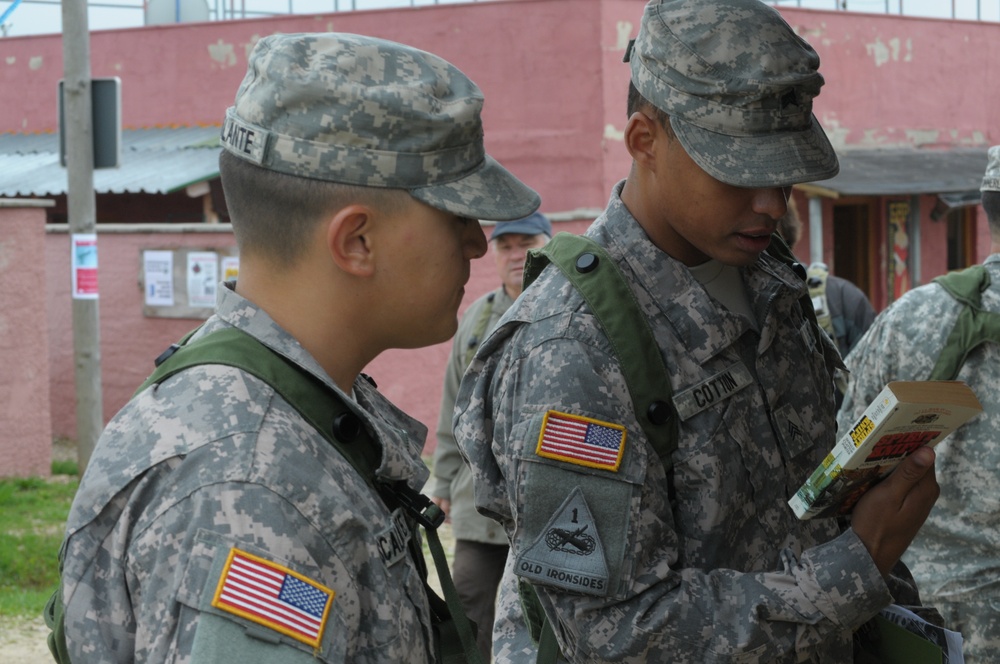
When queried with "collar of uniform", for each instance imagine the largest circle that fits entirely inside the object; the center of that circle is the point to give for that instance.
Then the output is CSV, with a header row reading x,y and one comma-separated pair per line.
x,y
704,329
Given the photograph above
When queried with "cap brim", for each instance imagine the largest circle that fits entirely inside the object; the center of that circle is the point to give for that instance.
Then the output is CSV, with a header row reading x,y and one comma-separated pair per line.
x,y
772,160
490,192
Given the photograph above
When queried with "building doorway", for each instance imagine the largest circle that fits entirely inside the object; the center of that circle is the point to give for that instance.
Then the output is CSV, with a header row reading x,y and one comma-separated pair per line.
x,y
961,237
852,245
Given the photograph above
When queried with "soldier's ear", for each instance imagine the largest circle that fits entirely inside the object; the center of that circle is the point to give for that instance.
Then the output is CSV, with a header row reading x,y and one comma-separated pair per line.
x,y
640,139
348,239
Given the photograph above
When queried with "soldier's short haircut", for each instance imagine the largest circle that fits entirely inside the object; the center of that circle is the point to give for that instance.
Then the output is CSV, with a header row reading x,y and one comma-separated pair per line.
x,y
991,204
636,102
274,214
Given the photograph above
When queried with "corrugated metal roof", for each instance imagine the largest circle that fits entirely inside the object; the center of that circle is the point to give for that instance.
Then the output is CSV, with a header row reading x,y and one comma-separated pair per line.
x,y
153,161
906,171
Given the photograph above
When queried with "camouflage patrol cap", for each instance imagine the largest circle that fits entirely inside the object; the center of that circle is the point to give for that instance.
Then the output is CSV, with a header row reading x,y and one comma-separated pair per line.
x,y
363,111
991,180
738,86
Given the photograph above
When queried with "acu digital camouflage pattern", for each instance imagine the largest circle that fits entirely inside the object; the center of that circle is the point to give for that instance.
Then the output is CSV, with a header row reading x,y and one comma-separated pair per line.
x,y
991,179
955,557
738,86
213,459
726,572
364,111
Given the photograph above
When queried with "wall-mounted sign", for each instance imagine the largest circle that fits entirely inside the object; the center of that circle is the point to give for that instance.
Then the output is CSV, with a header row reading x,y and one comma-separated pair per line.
x,y
184,282
84,266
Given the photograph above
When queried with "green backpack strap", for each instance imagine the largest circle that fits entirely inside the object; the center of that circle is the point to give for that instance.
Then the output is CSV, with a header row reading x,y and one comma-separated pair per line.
x,y
974,325
596,276
326,412
54,619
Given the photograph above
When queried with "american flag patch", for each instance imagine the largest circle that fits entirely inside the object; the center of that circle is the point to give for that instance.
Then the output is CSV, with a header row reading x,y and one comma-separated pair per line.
x,y
274,596
581,440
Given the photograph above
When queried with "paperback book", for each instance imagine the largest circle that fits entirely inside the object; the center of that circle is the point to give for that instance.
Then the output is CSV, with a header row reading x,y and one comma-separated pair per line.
x,y
904,416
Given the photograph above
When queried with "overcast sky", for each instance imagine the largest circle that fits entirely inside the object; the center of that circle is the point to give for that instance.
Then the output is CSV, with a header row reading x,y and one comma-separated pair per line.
x,y
30,17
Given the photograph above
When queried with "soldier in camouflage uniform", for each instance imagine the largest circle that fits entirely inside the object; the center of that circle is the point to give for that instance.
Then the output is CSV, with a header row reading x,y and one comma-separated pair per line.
x,y
956,556
707,563
213,523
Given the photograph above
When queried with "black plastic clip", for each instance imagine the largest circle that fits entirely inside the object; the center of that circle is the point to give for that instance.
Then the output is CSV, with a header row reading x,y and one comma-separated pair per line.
x,y
419,506
165,355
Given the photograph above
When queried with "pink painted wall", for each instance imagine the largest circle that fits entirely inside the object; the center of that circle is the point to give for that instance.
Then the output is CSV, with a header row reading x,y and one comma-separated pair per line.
x,y
893,80
25,429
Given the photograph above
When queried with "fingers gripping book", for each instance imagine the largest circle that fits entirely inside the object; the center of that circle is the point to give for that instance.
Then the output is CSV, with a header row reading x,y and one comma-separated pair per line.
x,y
904,416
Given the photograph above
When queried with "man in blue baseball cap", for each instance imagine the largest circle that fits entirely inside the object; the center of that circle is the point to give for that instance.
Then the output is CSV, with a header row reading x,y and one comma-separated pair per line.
x,y
480,543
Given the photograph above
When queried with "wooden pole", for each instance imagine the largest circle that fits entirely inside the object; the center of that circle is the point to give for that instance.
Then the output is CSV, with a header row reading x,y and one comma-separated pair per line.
x,y
82,208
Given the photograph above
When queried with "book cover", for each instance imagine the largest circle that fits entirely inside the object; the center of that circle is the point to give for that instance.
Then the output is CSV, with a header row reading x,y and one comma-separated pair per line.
x,y
904,416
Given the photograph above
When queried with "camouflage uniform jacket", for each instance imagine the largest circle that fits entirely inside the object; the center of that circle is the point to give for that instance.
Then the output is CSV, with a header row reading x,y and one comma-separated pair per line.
x,y
212,461
956,554
724,571
453,479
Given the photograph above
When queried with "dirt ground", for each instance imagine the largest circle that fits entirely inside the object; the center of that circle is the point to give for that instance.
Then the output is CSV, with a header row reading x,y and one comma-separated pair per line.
x,y
23,640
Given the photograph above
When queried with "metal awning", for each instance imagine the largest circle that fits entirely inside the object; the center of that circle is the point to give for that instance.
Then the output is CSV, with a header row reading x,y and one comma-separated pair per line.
x,y
153,161
954,174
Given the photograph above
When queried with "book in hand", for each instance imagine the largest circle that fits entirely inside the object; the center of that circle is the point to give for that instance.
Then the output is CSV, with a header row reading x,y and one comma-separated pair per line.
x,y
904,416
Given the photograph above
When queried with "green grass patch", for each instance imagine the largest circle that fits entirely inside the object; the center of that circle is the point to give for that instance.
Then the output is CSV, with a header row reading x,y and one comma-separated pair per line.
x,y
32,518
65,468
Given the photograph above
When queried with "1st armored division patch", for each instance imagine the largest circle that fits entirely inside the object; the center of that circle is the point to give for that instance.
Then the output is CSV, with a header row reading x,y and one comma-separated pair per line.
x,y
568,553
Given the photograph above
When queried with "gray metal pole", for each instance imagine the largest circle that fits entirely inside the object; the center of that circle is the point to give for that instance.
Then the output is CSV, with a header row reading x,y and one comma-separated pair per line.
x,y
815,229
82,207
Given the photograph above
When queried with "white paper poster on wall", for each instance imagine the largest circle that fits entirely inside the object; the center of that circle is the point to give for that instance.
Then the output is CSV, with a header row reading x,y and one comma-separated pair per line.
x,y
158,270
230,268
84,266
202,278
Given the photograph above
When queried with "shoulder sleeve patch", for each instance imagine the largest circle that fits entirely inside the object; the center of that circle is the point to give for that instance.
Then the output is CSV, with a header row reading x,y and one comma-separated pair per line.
x,y
581,440
273,596
568,554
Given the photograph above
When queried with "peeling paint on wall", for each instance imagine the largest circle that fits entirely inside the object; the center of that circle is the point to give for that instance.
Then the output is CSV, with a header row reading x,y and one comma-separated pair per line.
x,y
834,132
36,62
870,138
894,51
891,138
253,42
613,133
920,137
624,30
11,59
222,53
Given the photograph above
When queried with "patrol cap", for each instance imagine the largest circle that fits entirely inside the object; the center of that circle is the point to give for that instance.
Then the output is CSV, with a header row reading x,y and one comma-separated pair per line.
x,y
534,224
991,181
364,111
738,86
